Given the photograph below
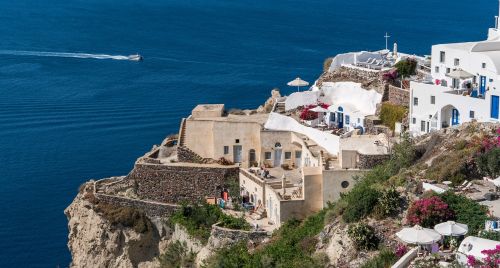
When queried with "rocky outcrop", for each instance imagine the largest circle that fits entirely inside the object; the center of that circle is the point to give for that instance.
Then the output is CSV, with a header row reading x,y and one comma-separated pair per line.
x,y
94,242
267,107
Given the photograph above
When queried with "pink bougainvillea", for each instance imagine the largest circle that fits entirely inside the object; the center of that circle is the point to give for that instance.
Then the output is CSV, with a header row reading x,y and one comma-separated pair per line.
x,y
491,259
428,212
307,114
400,250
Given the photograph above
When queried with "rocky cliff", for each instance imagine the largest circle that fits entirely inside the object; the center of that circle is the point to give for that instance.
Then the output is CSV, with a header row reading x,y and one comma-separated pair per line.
x,y
95,242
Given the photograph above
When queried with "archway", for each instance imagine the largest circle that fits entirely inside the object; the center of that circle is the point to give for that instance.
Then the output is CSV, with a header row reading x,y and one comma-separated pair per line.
x,y
450,116
340,117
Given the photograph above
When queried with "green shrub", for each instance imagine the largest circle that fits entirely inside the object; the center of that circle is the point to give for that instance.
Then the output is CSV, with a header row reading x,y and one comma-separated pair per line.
x,y
489,163
360,203
363,236
406,67
385,259
176,255
391,113
230,222
491,235
124,216
389,203
466,211
198,220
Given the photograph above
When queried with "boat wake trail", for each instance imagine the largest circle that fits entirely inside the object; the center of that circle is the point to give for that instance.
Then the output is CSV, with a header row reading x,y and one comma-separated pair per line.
x,y
64,55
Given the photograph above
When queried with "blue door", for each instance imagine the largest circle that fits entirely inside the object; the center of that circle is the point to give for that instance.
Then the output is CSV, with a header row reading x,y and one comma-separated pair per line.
x,y
494,106
340,117
482,85
454,117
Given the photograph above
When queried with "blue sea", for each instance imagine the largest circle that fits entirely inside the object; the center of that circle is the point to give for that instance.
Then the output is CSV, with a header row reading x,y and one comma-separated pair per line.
x,y
65,120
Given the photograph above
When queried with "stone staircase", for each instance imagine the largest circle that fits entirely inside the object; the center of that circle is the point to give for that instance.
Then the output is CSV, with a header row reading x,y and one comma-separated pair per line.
x,y
258,214
279,107
182,133
186,155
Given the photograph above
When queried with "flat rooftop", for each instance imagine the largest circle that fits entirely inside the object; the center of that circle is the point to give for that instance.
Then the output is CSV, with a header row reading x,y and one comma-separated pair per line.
x,y
366,144
208,107
237,118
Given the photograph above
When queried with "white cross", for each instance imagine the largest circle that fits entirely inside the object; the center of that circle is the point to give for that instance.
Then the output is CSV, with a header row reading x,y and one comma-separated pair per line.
x,y
386,40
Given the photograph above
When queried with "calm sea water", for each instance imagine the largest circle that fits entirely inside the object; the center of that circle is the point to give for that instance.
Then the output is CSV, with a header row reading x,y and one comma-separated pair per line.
x,y
66,120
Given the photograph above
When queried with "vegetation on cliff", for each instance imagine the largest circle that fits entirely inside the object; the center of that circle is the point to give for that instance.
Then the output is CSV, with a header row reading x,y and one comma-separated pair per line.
x,y
293,245
177,255
199,218
391,113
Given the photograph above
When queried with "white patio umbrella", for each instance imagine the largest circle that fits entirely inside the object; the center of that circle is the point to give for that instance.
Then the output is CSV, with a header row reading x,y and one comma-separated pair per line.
x,y
298,82
451,228
460,74
418,235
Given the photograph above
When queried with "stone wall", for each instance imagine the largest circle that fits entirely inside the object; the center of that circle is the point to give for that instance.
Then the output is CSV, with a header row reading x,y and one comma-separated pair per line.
x,y
369,78
180,182
231,236
398,96
370,161
152,209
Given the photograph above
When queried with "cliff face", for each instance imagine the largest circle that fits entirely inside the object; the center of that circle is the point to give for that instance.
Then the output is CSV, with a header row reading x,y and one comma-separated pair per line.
x,y
94,242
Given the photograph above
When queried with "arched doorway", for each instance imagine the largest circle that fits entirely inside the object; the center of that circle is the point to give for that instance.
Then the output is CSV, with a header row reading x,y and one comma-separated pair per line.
x,y
450,116
277,154
340,117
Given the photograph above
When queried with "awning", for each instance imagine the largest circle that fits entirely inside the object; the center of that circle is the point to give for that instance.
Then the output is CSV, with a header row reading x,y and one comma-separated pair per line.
x,y
459,74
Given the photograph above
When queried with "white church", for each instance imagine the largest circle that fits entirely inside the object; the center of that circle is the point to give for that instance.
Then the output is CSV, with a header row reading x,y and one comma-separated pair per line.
x,y
465,85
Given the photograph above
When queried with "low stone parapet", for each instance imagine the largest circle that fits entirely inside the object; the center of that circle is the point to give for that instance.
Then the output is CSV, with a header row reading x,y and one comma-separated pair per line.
x,y
221,237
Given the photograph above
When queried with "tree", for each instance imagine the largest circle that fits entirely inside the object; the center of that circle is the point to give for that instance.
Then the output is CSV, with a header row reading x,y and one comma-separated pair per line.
x,y
406,67
489,163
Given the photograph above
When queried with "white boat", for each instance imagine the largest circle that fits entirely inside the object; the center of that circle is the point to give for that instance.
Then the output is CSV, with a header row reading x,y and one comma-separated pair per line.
x,y
135,57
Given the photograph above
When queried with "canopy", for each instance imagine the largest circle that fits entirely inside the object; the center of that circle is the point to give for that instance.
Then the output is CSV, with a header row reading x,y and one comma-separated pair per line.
x,y
451,228
460,74
319,109
418,235
298,82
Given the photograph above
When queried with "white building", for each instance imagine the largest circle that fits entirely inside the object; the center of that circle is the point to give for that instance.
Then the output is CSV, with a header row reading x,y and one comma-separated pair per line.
x,y
465,86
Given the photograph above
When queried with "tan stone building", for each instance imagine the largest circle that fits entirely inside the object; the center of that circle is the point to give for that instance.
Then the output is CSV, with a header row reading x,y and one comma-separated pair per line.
x,y
303,177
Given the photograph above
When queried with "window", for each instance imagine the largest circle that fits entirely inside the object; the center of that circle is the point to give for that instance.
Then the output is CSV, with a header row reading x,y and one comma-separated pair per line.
x,y
359,120
448,70
298,154
436,69
414,120
415,101
483,65
422,126
433,99
237,141
226,149
288,155
456,62
277,145
267,155
344,184
442,56
347,118
471,114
